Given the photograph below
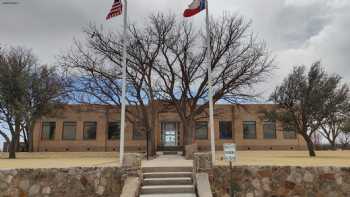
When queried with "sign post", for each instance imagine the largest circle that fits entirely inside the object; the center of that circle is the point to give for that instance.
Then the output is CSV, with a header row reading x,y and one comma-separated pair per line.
x,y
230,156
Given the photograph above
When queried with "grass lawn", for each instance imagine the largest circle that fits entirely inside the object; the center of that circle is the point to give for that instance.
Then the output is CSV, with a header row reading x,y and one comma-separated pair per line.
x,y
292,158
59,160
91,159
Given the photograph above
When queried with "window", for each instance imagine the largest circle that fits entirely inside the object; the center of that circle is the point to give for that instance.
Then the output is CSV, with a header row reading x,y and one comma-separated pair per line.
x,y
249,130
48,132
289,132
225,129
114,131
69,130
90,130
269,129
201,132
139,131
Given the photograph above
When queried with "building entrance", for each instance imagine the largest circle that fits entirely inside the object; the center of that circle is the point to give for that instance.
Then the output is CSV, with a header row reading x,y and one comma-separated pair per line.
x,y
169,134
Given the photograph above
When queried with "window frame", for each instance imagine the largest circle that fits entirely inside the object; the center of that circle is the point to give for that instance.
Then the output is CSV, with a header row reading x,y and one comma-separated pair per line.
x,y
275,130
231,129
108,131
87,124
75,130
196,129
289,128
42,130
244,133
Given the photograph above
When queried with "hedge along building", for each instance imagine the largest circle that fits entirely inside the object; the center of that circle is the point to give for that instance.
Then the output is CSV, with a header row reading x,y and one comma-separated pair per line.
x,y
97,128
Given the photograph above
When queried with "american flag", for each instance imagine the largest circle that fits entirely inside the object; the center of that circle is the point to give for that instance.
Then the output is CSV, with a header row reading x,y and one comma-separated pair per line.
x,y
116,9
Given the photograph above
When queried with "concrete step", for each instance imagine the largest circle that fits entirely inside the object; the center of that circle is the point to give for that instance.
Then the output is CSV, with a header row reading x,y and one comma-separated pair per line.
x,y
161,153
169,195
167,189
172,153
167,169
166,174
168,181
171,148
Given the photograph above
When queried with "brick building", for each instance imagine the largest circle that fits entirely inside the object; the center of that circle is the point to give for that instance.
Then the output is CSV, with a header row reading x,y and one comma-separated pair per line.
x,y
97,128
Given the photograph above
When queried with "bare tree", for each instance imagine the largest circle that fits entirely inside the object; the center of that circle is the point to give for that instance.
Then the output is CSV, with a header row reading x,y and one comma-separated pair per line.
x,y
306,100
344,136
238,62
45,92
98,67
166,61
27,92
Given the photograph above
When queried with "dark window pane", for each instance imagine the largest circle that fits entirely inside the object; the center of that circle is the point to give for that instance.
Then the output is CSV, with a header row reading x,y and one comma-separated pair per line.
x,y
225,129
139,131
69,130
48,132
249,130
114,131
269,129
90,130
201,132
289,132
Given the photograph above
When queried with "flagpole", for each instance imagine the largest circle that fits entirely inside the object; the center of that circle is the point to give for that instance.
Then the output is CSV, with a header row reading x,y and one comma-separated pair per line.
x,y
210,87
122,120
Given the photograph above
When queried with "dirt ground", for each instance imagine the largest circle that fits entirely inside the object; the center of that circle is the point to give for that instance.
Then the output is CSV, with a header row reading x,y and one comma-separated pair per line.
x,y
90,159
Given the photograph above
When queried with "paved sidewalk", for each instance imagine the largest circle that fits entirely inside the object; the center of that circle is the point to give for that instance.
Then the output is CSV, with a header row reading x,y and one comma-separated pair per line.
x,y
168,161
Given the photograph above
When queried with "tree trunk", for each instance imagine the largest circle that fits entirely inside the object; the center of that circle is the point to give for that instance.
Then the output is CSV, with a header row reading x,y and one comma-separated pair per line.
x,y
310,146
333,144
17,145
150,146
149,123
17,134
30,137
30,142
25,140
188,131
12,147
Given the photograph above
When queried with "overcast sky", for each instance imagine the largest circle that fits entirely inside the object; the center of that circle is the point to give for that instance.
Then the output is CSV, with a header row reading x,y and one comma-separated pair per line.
x,y
296,31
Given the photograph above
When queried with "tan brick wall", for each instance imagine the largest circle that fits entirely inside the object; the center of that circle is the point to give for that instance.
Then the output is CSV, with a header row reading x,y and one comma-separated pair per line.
x,y
104,114
252,112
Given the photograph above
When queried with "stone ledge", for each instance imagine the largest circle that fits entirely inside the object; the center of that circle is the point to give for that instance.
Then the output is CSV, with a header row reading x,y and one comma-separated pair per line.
x,y
131,187
203,185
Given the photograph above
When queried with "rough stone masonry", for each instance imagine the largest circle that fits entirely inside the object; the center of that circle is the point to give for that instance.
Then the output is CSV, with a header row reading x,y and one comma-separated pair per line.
x,y
67,182
282,181
249,181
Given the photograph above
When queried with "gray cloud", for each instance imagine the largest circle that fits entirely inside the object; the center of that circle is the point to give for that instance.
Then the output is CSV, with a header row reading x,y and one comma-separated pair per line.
x,y
330,44
298,24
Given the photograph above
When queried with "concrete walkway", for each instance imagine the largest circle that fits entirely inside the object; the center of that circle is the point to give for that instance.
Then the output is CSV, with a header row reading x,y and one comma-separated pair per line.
x,y
168,161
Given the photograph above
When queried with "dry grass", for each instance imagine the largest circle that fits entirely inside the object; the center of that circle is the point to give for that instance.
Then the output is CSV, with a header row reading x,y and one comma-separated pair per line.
x,y
289,158
90,159
59,160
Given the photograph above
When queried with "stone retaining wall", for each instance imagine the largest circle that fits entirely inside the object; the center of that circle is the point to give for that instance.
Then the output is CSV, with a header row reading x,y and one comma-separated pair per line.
x,y
269,181
249,181
68,182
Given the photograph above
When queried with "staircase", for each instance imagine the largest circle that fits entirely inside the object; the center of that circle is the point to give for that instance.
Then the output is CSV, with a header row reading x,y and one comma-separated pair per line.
x,y
170,150
167,182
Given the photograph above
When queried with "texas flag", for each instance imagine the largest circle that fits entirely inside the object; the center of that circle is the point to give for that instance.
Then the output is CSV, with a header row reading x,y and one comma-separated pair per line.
x,y
194,8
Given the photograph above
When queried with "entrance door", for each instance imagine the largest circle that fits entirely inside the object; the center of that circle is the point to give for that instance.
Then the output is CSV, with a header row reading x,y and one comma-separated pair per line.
x,y
169,134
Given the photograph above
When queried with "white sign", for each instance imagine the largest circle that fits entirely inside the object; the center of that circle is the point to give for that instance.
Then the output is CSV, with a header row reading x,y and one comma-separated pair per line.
x,y
230,152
